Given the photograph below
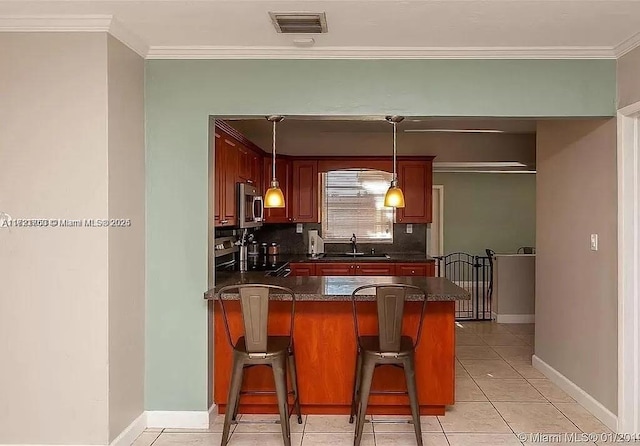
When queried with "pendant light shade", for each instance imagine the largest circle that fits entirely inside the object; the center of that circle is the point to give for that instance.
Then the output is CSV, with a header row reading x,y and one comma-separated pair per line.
x,y
394,196
273,197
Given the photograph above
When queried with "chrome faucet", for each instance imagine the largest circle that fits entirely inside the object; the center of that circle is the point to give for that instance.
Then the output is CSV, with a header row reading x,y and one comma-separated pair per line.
x,y
353,241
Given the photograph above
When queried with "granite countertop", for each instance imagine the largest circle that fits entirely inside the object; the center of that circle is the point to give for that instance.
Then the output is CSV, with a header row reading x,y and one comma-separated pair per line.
x,y
338,288
393,258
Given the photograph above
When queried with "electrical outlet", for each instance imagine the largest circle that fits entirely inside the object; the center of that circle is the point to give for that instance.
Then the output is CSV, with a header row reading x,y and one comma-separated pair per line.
x,y
594,242
409,228
298,228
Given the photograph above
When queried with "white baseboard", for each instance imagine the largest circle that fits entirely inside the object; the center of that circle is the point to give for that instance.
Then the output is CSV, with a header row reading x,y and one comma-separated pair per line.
x,y
131,432
197,419
187,419
583,398
515,318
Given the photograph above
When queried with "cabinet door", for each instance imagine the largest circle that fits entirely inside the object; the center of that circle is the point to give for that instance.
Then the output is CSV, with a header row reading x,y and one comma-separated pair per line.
x,y
230,176
245,160
375,269
256,170
335,269
217,181
416,183
302,269
305,191
415,269
283,174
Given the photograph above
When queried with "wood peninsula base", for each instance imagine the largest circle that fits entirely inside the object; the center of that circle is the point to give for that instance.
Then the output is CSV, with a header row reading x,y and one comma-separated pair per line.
x,y
325,351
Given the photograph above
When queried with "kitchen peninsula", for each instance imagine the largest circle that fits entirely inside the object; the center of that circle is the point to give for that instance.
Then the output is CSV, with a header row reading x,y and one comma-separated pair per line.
x,y
326,348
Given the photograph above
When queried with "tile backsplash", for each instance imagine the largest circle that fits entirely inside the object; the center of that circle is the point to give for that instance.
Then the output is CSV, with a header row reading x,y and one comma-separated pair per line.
x,y
293,243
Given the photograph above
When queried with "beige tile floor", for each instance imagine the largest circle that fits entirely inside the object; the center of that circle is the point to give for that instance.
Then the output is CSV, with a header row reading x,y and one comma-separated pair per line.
x,y
498,395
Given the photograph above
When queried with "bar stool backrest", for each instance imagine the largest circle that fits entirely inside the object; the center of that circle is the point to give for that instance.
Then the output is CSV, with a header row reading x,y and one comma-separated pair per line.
x,y
390,300
390,303
254,303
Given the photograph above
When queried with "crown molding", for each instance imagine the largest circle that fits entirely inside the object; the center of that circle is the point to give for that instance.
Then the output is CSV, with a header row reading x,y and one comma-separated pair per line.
x,y
74,23
109,24
627,45
129,38
233,52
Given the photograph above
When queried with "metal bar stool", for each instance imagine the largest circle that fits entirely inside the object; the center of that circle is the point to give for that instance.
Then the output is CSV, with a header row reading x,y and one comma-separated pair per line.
x,y
256,347
388,347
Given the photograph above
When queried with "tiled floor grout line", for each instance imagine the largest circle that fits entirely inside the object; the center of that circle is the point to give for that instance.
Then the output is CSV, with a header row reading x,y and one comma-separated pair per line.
x,y
156,439
443,432
564,415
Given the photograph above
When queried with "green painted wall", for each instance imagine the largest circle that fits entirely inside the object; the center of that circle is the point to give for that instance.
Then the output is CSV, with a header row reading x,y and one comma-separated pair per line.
x,y
486,210
181,94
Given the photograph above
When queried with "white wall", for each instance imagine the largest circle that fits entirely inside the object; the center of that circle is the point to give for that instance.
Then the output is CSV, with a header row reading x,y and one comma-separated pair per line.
x,y
628,73
126,245
72,302
576,288
54,281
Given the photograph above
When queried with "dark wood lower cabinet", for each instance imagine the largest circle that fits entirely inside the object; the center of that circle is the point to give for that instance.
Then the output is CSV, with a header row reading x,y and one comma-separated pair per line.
x,y
375,269
416,269
362,269
302,269
335,269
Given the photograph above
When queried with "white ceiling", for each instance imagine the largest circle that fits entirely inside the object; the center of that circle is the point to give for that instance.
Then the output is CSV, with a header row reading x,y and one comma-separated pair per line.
x,y
425,28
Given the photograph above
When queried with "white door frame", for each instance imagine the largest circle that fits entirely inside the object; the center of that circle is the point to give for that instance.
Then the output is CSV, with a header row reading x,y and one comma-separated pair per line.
x,y
628,159
439,190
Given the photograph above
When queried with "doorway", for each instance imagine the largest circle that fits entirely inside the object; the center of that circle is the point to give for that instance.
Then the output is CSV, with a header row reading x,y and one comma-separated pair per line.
x,y
629,269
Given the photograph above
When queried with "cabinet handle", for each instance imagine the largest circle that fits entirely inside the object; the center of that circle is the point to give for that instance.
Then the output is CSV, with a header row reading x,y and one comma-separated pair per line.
x,y
358,266
399,219
250,181
413,272
224,222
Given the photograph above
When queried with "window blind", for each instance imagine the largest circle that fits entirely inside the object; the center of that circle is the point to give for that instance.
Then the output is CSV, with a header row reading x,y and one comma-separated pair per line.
x,y
353,202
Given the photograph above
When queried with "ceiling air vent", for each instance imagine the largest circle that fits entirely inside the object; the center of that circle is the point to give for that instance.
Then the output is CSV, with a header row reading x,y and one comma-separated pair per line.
x,y
299,22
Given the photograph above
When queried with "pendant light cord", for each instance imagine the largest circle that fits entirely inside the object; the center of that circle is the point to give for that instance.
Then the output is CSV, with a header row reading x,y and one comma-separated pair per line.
x,y
273,164
395,175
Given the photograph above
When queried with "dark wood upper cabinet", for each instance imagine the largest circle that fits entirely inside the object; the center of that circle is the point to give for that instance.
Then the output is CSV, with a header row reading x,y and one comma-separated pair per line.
x,y
244,164
217,180
230,175
257,170
225,177
415,179
283,174
305,191
249,166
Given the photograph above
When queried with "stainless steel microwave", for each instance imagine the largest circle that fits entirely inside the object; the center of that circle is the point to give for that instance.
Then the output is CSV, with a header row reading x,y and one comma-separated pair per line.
x,y
250,206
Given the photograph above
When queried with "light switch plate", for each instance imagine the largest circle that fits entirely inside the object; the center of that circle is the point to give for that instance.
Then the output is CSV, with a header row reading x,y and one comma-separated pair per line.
x,y
409,228
298,228
594,242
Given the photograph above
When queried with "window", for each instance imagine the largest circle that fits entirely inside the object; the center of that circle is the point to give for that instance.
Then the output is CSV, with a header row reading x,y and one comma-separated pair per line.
x,y
353,202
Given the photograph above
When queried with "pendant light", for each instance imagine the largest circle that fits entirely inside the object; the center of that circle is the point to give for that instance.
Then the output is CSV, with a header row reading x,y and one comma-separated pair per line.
x,y
394,196
273,197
